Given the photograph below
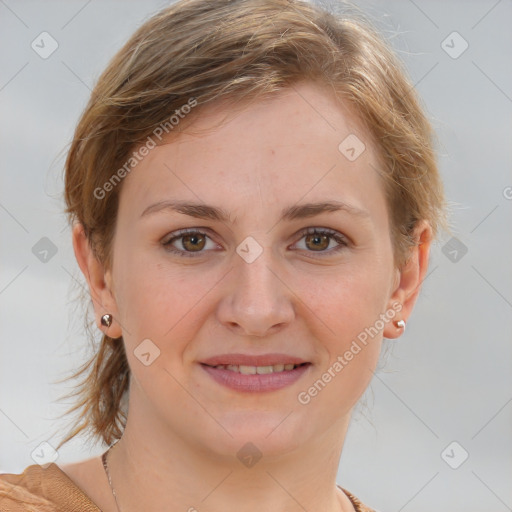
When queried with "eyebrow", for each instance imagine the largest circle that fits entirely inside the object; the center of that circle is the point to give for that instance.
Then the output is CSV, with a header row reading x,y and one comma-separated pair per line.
x,y
301,211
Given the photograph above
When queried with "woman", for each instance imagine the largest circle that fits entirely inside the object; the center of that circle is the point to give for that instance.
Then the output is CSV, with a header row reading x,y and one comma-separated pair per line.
x,y
253,194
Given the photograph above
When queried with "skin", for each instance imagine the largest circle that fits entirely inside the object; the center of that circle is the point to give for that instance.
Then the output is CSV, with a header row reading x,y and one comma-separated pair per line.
x,y
183,429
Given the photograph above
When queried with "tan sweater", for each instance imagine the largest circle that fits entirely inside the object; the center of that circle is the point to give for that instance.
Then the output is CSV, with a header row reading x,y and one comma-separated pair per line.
x,y
51,490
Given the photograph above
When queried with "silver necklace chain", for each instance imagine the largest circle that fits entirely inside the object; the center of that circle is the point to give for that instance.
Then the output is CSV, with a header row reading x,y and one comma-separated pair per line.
x,y
105,465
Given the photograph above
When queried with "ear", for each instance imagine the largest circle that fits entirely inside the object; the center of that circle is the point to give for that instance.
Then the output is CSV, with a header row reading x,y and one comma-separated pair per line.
x,y
409,278
98,280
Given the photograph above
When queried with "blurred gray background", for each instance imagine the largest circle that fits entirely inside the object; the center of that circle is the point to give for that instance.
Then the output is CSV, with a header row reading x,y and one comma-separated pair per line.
x,y
436,431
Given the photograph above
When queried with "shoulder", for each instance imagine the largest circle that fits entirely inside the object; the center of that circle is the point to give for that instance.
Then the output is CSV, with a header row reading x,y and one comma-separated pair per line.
x,y
40,489
356,503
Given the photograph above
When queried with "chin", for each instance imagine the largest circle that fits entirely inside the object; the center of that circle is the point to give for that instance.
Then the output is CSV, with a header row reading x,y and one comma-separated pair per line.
x,y
272,433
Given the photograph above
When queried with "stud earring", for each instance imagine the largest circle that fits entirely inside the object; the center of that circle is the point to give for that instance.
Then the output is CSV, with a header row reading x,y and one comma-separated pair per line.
x,y
106,320
401,324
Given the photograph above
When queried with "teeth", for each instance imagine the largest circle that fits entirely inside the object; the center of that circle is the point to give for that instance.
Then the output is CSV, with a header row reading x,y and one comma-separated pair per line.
x,y
253,370
247,370
264,369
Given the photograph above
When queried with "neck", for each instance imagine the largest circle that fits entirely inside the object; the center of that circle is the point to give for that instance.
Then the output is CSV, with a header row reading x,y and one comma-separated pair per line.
x,y
159,470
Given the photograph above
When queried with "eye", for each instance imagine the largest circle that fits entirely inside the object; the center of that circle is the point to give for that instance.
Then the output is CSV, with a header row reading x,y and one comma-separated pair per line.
x,y
192,242
320,239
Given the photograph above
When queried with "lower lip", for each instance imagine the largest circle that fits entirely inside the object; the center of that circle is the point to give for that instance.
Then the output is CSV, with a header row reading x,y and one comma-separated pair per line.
x,y
257,382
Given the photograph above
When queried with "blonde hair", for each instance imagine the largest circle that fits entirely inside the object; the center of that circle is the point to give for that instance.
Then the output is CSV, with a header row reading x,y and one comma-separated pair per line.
x,y
236,50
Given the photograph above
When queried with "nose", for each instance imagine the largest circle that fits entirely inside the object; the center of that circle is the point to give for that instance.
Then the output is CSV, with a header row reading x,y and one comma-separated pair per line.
x,y
258,300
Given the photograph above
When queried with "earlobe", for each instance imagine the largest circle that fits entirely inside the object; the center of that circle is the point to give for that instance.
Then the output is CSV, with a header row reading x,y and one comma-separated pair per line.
x,y
97,280
410,278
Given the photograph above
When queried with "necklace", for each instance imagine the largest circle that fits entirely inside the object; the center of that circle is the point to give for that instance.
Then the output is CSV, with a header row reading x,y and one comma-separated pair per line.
x,y
105,465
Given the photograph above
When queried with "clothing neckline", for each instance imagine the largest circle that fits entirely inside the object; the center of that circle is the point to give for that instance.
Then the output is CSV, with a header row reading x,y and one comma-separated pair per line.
x,y
353,500
70,481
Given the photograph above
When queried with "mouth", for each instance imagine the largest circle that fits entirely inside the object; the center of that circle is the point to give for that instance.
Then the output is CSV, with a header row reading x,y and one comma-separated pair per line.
x,y
256,378
258,370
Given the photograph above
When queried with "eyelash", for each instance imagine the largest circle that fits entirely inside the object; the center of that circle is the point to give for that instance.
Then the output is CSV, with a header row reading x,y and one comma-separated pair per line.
x,y
334,235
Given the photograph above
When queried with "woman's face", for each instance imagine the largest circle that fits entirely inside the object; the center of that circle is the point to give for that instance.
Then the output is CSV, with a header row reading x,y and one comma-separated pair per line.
x,y
255,283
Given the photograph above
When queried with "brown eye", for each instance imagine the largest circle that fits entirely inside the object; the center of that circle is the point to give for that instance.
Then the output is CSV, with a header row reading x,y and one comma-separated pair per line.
x,y
318,242
323,241
188,242
193,242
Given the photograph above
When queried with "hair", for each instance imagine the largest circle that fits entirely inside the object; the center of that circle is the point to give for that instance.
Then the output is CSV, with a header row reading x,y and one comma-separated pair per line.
x,y
197,52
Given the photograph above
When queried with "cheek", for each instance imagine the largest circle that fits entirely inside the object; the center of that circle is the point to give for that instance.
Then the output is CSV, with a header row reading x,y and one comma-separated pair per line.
x,y
347,321
161,303
338,386
346,301
350,342
144,297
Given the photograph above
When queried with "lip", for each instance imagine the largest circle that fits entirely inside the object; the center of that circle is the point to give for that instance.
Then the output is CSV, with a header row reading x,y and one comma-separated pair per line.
x,y
256,360
258,382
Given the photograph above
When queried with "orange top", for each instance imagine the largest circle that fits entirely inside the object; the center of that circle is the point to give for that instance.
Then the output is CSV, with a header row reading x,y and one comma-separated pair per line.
x,y
51,490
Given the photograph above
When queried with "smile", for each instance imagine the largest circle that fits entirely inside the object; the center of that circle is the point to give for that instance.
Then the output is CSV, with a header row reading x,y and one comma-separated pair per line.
x,y
260,370
253,379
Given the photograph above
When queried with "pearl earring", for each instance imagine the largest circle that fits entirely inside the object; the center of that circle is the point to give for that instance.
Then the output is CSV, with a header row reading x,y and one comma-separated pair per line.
x,y
106,320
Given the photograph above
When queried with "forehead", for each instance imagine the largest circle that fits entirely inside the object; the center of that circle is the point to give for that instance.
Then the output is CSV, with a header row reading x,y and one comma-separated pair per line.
x,y
302,143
